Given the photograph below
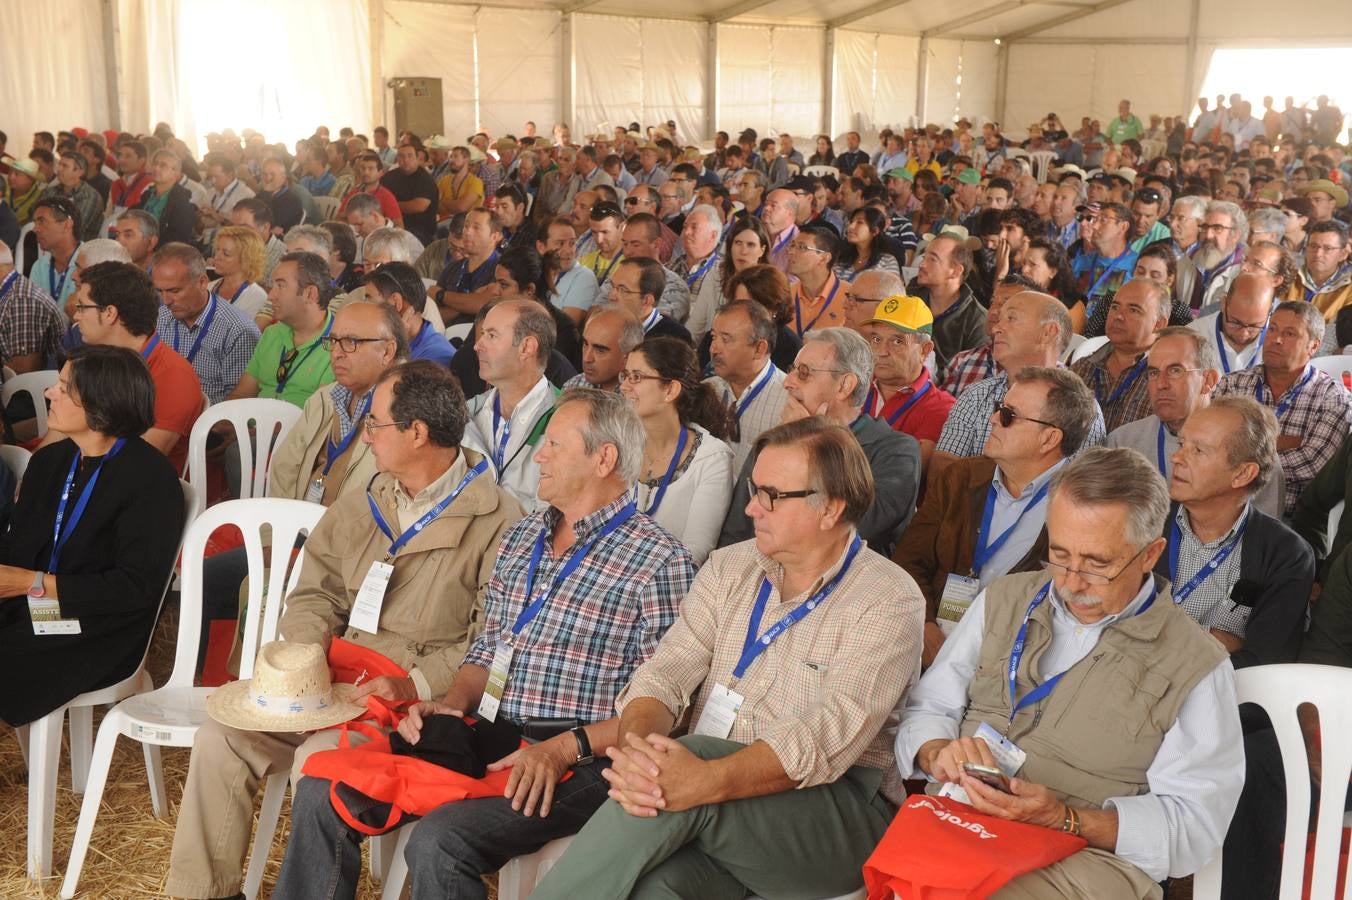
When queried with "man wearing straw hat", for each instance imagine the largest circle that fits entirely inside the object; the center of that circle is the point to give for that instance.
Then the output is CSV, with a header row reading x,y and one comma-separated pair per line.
x,y
399,568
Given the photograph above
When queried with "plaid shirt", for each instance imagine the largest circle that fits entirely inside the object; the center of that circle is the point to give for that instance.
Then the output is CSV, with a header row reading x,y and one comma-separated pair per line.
x,y
225,351
823,695
1321,414
969,421
30,322
967,367
1122,399
604,620
1209,603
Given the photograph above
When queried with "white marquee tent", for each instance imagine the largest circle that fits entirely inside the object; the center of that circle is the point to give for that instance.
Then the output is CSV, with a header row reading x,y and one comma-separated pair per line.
x,y
802,66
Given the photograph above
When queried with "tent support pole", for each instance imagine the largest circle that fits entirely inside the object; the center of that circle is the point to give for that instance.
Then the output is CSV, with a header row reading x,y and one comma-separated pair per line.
x,y
376,16
711,92
829,83
921,80
568,98
1190,70
112,63
1001,81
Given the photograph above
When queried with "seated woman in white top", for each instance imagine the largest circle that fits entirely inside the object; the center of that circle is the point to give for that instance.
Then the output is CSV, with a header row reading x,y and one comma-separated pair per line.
x,y
866,246
686,483
239,260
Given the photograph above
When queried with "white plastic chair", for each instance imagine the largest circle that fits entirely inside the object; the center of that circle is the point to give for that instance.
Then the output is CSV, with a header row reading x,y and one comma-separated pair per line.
x,y
170,716
1280,690
6,373
520,876
15,459
42,738
1088,347
328,207
32,384
273,419
19,256
822,171
1042,164
1336,367
458,334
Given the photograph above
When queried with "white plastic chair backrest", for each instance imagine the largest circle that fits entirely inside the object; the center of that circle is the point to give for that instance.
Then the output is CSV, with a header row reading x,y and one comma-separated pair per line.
x,y
458,334
821,171
1334,367
18,254
273,420
33,384
286,519
328,206
1088,348
1071,346
15,459
8,373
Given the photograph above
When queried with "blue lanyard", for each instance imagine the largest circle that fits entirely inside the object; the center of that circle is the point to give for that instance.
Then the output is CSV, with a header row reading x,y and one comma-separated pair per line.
x,y
1125,385
1159,452
61,536
1041,691
892,419
225,198
1176,541
295,366
699,273
1109,270
754,391
150,346
1291,394
1218,268
534,605
201,334
244,286
500,445
331,450
1220,342
788,236
871,397
600,279
985,547
58,286
798,309
755,645
397,543
666,479
649,323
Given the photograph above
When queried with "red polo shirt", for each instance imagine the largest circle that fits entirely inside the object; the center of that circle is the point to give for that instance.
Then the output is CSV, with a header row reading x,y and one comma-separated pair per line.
x,y
922,419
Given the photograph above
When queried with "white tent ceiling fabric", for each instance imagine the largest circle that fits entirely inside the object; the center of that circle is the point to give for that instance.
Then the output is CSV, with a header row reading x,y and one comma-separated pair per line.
x,y
502,66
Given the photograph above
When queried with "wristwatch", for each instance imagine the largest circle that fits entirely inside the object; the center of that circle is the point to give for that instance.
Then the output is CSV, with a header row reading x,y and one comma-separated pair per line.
x,y
584,750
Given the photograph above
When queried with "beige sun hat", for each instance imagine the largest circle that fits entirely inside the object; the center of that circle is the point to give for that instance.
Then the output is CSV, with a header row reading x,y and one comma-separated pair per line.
x,y
291,690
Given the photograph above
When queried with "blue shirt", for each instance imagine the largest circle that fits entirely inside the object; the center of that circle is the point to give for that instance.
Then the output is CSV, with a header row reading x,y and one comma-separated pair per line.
x,y
52,282
431,344
319,186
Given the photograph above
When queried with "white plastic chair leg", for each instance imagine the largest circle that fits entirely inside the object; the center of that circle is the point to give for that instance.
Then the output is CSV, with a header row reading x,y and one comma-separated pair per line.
x,y
271,811
395,884
44,755
517,879
382,849
81,745
21,735
159,807
100,761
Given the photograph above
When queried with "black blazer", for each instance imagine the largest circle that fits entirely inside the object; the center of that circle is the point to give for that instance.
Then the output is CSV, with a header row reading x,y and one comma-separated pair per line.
x,y
1276,572
112,573
178,221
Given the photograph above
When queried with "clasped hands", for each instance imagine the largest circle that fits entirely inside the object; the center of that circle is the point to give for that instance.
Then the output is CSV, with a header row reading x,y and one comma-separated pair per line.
x,y
1029,802
655,774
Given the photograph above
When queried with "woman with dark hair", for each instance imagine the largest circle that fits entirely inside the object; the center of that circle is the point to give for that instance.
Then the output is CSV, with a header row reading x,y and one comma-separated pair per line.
x,y
866,245
347,275
92,540
770,288
826,152
1155,261
686,483
747,245
932,215
520,273
1047,266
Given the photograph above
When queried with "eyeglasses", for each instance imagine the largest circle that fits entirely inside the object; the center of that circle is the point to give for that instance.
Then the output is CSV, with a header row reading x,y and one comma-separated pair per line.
x,y
1211,226
80,306
1250,264
349,344
635,377
632,201
622,289
804,371
1172,373
1322,248
1008,416
371,425
1232,322
1095,578
798,247
767,497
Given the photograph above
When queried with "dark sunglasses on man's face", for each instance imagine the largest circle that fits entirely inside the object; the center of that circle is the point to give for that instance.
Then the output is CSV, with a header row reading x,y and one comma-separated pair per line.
x,y
1008,417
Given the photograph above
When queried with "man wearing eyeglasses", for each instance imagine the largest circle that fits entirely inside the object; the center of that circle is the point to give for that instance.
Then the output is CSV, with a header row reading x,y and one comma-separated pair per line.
x,y
636,284
1237,330
643,199
1119,722
830,378
1325,278
1314,412
983,516
904,395
429,581
1220,255
1102,272
786,741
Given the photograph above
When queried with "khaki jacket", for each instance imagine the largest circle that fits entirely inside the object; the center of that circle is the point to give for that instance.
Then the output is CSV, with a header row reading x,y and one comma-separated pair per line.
x,y
434,600
294,459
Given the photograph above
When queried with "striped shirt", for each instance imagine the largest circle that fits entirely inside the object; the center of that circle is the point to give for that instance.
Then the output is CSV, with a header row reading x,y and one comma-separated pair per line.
x,y
761,414
602,622
969,421
1209,604
967,367
225,350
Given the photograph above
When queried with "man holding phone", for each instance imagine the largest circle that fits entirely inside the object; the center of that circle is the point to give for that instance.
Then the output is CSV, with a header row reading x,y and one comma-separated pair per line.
x,y
1113,716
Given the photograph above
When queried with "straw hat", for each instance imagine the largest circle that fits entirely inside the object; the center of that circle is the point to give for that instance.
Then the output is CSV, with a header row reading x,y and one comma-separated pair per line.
x,y
291,690
438,142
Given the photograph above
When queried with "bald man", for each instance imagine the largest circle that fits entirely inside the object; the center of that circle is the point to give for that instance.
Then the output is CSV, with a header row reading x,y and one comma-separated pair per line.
x,y
610,333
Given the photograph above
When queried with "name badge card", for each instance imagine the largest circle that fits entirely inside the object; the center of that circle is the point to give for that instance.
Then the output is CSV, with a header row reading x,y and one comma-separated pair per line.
x,y
1009,758
371,597
959,592
315,492
497,683
45,614
720,712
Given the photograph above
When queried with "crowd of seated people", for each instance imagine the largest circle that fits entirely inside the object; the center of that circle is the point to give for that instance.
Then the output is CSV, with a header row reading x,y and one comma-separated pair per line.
x,y
754,475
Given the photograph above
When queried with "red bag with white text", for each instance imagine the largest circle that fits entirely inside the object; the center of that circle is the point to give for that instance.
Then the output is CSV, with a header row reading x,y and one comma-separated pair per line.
x,y
939,849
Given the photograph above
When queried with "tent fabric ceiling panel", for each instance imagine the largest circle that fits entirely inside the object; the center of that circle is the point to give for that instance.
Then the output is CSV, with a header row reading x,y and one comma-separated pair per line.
x,y
744,78
875,82
510,92
941,100
54,61
977,91
1151,76
1249,19
1135,19
675,57
610,71
796,78
425,40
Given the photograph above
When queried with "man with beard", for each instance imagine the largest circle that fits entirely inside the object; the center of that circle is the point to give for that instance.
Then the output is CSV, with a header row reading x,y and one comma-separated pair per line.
x,y
1221,254
459,190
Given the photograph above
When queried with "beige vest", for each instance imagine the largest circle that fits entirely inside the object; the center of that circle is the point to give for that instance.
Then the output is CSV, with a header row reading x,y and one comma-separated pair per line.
x,y
1097,733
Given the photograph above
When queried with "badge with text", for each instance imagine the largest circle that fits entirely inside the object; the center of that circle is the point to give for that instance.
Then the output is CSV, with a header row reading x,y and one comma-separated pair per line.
x,y
959,592
497,683
371,597
45,612
720,712
315,492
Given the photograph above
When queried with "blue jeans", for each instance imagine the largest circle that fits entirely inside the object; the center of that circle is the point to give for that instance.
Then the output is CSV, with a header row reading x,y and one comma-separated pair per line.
x,y
449,851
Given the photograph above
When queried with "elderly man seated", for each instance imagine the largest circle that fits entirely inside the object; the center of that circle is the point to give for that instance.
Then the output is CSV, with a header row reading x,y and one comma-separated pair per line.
x,y
1237,330
1113,714
1115,371
790,653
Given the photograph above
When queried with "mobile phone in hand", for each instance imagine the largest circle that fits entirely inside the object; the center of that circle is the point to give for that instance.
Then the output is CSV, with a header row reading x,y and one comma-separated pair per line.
x,y
988,775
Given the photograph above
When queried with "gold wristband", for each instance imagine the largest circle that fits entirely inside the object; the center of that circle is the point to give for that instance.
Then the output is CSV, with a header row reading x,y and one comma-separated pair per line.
x,y
1071,823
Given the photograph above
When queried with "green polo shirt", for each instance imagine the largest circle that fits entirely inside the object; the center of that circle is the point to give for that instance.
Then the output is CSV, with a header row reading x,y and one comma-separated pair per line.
x,y
308,372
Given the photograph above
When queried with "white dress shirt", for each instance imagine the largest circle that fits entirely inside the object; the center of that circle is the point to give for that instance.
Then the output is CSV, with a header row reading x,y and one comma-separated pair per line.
x,y
1196,777
1232,359
1007,510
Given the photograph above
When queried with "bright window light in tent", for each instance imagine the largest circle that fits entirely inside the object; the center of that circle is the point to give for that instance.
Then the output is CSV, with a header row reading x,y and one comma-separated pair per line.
x,y
1255,73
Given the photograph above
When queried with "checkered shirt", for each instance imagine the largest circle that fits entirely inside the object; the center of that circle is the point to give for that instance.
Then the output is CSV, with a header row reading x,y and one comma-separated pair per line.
x,y
604,620
1321,414
1209,603
969,421
225,351
967,367
1132,404
30,322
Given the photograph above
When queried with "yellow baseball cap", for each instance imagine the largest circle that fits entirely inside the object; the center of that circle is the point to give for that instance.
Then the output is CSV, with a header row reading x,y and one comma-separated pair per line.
x,y
909,314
